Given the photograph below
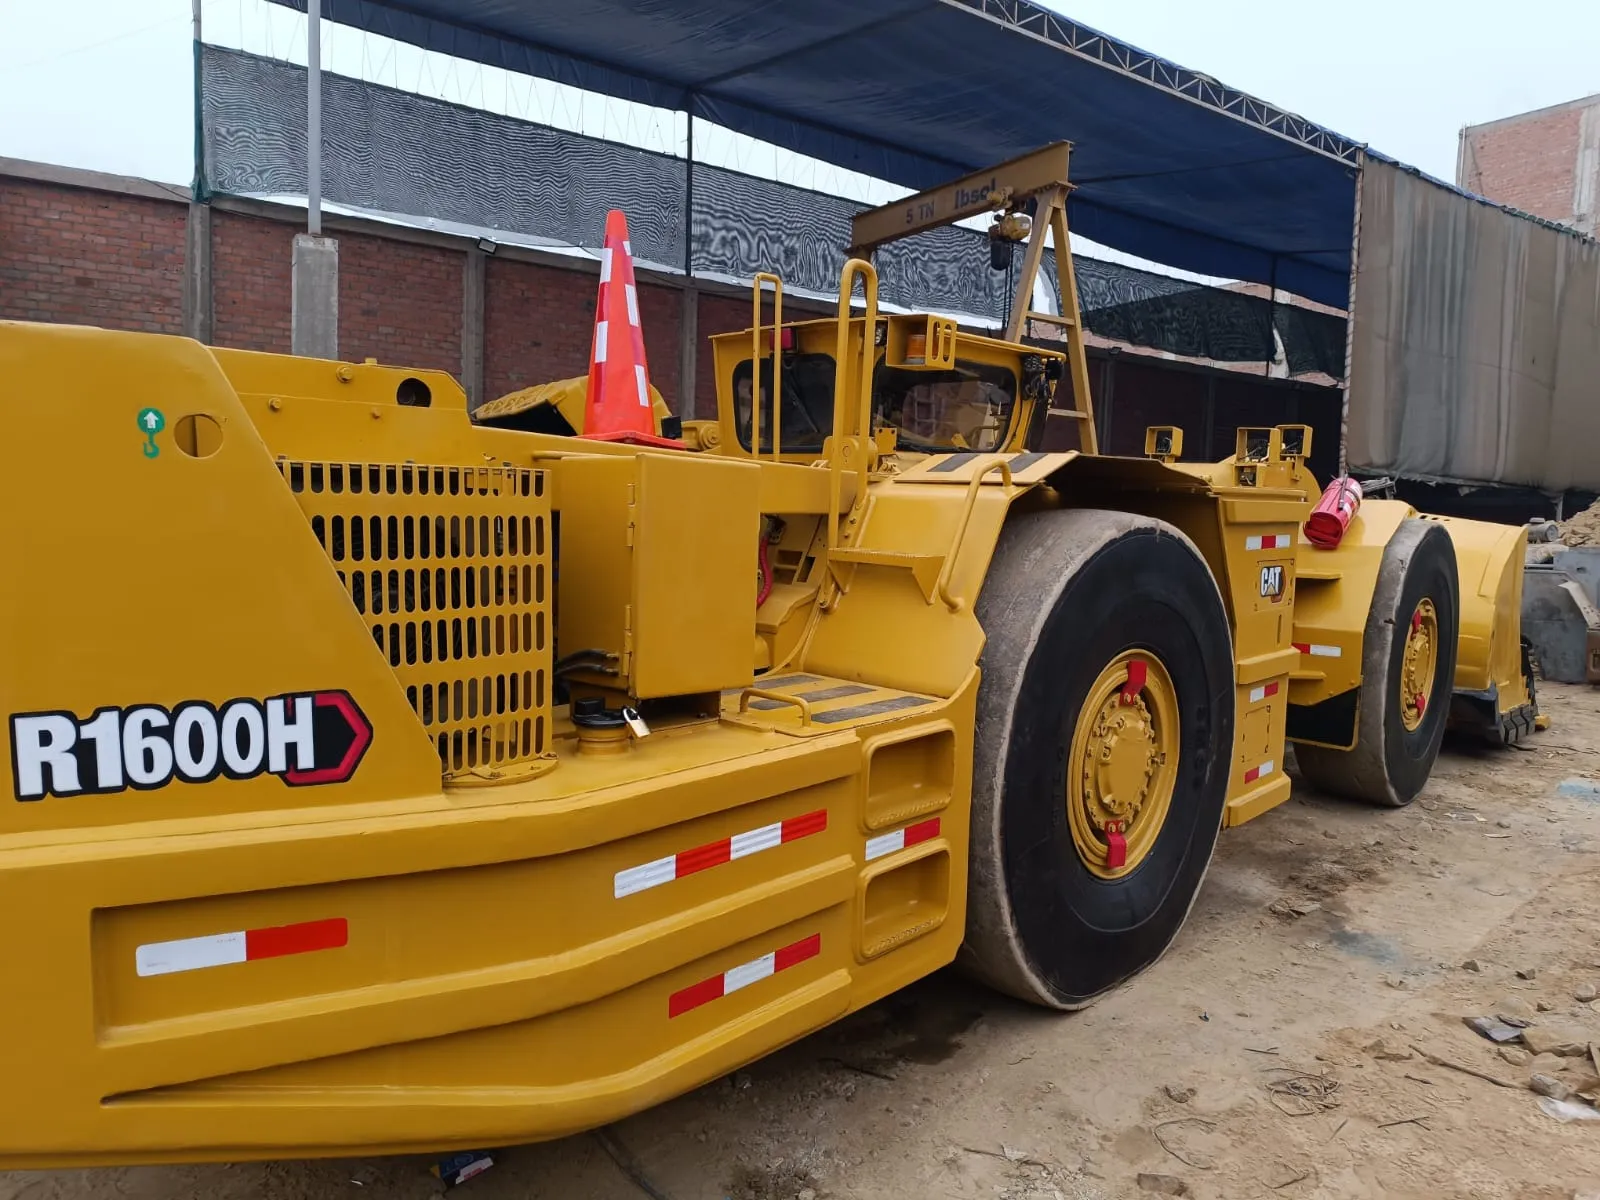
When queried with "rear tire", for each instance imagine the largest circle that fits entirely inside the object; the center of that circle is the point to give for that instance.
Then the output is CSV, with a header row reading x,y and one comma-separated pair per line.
x,y
1390,762
1069,596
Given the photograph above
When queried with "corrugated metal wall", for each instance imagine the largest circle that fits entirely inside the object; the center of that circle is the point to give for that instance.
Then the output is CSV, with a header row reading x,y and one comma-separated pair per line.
x,y
1475,342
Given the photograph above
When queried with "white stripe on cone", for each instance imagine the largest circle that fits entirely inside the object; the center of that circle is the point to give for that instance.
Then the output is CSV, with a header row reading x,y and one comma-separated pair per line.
x,y
605,265
644,385
600,341
633,304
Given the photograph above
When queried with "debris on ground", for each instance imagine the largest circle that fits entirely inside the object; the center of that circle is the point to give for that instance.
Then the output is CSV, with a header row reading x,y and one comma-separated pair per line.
x,y
458,1168
1293,908
1567,1110
779,1181
1527,973
1545,1085
1514,1010
1494,1029
1472,964
1583,528
1384,1052
1516,1055
1559,1038
1586,993
1440,1060
1178,1095
1302,1093
1166,1185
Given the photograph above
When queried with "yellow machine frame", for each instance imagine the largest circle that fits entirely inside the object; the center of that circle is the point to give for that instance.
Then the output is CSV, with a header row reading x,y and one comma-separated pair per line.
x,y
304,855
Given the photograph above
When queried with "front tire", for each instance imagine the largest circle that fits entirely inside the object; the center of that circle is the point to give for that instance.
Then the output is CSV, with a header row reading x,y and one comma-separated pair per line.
x,y
1408,668
1106,699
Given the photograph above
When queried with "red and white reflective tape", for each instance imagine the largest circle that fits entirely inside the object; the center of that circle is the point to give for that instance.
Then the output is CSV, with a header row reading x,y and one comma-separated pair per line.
x,y
888,843
1261,772
246,945
743,975
1318,651
1270,541
714,854
1258,694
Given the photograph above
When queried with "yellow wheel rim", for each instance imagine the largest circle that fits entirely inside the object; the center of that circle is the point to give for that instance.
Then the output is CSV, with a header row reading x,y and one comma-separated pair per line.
x,y
1123,763
1420,663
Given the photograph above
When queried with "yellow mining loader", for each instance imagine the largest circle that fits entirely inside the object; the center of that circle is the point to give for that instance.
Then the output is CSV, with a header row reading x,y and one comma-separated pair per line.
x,y
385,781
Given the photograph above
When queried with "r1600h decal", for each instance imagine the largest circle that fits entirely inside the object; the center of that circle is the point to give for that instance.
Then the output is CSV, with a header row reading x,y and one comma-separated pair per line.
x,y
316,737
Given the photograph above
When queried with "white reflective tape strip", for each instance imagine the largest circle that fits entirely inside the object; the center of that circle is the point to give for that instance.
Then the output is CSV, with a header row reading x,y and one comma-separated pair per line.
x,y
1326,651
764,838
633,304
1259,693
747,973
1266,768
600,341
605,265
644,385
190,954
1252,543
1271,541
627,247
651,874
885,843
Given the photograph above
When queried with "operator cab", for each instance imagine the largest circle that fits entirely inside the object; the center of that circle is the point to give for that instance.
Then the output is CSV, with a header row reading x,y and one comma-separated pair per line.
x,y
934,388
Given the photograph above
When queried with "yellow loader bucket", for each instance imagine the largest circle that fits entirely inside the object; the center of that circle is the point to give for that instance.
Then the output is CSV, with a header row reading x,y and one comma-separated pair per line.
x,y
1494,684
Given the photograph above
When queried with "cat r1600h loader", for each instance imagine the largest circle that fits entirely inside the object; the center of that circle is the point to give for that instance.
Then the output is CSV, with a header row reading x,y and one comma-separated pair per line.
x,y
386,781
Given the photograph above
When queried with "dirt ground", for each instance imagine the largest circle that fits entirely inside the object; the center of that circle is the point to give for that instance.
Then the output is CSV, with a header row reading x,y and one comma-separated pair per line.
x,y
1279,1050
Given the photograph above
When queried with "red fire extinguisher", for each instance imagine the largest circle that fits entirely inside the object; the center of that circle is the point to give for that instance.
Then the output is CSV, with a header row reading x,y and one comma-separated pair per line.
x,y
1333,513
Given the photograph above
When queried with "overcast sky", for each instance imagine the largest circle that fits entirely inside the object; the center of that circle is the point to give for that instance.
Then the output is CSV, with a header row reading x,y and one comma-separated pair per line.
x,y
107,84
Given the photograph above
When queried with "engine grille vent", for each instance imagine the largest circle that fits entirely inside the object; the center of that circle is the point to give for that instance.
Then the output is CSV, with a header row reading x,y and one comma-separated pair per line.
x,y
449,567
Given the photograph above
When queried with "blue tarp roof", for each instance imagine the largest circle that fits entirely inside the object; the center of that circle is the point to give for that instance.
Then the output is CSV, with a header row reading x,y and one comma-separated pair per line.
x,y
1169,165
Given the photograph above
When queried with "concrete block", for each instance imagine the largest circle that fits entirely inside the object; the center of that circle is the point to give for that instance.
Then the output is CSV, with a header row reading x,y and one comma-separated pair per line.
x,y
1561,624
314,319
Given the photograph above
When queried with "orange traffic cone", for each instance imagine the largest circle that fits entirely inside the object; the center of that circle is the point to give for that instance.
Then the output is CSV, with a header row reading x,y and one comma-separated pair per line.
x,y
619,408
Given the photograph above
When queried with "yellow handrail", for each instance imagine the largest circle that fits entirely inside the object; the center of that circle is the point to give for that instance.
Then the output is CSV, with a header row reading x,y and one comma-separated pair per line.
x,y
862,410
755,693
942,589
755,363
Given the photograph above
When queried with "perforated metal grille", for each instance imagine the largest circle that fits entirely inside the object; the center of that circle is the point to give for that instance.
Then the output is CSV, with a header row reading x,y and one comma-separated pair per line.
x,y
449,566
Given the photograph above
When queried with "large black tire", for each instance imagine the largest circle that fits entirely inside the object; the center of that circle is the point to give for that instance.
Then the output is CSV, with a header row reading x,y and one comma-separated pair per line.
x,y
1066,593
1390,763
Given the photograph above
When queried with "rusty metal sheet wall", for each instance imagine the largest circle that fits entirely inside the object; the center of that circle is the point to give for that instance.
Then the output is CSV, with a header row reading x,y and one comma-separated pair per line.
x,y
1475,345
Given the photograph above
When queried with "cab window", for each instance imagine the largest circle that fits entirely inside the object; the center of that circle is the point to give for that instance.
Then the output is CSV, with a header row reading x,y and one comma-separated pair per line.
x,y
969,407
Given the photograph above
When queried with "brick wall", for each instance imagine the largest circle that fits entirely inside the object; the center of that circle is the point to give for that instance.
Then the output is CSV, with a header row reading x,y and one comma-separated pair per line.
x,y
538,323
251,282
90,258
1528,162
399,303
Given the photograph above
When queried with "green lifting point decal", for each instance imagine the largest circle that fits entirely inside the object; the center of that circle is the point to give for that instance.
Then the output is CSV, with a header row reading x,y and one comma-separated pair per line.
x,y
151,422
